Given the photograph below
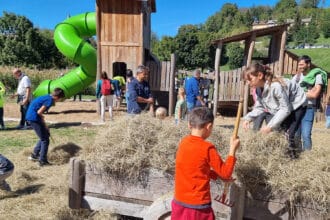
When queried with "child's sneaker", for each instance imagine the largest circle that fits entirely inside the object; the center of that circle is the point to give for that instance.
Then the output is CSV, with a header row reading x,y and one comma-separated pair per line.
x,y
44,163
33,157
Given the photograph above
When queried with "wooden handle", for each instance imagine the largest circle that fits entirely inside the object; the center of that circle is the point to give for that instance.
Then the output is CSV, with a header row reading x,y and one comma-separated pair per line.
x,y
238,118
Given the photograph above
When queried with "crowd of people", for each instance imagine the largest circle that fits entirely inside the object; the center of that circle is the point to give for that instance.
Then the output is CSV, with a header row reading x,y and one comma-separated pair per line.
x,y
280,104
286,105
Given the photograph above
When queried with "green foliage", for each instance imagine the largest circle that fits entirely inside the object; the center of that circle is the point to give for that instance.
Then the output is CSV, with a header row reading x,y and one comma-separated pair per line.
x,y
23,45
9,81
236,55
186,40
285,9
261,13
320,56
325,23
309,3
164,48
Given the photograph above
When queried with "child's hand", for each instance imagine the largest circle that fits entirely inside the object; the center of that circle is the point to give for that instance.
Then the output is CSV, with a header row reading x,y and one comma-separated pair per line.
x,y
234,145
265,130
246,125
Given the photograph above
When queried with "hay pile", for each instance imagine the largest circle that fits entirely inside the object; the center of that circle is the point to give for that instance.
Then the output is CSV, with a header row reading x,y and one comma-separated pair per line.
x,y
42,193
261,162
130,146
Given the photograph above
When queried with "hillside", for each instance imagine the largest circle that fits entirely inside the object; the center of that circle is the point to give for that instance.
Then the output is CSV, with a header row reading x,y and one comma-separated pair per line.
x,y
320,56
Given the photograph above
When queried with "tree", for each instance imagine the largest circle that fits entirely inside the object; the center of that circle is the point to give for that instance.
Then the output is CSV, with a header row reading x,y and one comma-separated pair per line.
x,y
164,48
22,44
285,9
309,3
222,20
235,55
186,40
261,13
325,23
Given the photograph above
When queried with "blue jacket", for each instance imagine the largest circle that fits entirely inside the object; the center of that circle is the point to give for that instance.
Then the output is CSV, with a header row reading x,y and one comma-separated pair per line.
x,y
192,90
135,89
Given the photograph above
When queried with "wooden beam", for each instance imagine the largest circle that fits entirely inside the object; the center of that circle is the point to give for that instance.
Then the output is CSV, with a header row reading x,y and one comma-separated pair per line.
x,y
282,49
120,44
172,87
76,183
216,81
248,63
99,57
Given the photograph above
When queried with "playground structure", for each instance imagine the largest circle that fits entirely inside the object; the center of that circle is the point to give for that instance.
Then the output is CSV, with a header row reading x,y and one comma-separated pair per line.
x,y
230,83
69,39
123,30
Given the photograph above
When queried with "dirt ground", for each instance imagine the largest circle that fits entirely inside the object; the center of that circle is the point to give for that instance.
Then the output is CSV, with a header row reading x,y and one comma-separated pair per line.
x,y
84,111
67,111
46,189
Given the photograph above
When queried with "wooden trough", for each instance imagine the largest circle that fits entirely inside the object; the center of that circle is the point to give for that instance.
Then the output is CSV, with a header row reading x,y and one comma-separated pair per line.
x,y
150,200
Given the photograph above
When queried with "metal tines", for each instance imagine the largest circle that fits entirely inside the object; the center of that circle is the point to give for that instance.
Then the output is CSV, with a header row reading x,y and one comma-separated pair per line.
x,y
223,197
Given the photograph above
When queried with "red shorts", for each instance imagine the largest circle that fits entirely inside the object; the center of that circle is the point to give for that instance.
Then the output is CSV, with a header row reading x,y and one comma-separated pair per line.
x,y
182,213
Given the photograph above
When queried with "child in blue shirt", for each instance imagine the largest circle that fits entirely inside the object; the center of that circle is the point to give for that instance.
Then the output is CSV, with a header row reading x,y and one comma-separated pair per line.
x,y
34,116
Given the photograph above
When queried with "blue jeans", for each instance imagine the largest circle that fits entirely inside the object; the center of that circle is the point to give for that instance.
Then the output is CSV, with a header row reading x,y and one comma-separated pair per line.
x,y
305,130
257,123
1,118
23,109
327,123
41,147
190,106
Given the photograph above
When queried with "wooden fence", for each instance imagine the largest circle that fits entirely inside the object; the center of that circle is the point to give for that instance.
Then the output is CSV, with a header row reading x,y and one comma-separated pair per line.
x,y
160,75
230,83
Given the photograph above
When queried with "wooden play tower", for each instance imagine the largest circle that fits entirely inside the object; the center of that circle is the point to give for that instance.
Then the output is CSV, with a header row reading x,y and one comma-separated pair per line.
x,y
124,42
123,34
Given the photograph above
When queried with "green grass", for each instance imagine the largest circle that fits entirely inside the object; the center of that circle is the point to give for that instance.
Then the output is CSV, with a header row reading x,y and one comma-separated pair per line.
x,y
322,40
14,141
320,56
224,68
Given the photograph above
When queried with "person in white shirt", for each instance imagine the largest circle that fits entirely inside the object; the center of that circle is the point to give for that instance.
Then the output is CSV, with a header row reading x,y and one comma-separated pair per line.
x,y
23,95
313,93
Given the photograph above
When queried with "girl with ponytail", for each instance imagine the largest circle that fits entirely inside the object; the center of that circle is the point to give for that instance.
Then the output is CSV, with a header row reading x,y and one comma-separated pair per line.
x,y
279,102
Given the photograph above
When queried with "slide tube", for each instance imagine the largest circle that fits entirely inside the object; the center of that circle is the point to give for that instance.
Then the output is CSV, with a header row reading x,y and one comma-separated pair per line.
x,y
69,39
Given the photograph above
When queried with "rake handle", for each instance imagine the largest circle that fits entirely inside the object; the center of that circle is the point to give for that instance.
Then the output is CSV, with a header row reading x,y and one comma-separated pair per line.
x,y
238,118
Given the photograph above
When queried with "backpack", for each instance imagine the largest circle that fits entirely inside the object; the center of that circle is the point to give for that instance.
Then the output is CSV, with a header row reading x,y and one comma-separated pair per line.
x,y
106,87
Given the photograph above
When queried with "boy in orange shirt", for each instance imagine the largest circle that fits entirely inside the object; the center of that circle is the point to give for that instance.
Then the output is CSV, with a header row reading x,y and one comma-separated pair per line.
x,y
197,161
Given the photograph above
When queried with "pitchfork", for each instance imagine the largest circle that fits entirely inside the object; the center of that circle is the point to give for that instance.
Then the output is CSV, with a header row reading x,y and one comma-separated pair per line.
x,y
223,198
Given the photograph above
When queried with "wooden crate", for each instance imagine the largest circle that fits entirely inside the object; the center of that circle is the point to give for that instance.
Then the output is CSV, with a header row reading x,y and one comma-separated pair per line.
x,y
150,200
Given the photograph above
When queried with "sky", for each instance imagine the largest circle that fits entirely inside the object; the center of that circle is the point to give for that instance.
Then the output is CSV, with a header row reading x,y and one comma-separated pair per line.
x,y
169,16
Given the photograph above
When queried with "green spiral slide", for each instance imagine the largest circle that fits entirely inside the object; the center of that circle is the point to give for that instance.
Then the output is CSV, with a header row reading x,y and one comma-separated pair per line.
x,y
69,39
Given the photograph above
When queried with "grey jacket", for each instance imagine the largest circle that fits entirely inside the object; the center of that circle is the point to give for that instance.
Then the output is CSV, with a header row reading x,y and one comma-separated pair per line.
x,y
274,100
296,94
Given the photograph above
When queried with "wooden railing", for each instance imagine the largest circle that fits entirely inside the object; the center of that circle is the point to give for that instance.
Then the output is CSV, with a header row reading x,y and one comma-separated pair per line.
x,y
230,82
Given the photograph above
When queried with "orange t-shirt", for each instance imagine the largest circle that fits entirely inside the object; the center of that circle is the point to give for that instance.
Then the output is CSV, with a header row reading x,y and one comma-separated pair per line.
x,y
196,162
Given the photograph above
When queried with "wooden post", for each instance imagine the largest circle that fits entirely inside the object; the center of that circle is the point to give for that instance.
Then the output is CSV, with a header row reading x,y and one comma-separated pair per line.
x,y
248,63
172,87
216,81
99,57
76,184
282,49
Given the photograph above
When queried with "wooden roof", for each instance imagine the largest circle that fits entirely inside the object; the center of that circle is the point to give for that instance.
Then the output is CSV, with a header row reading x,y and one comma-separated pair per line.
x,y
153,5
247,35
